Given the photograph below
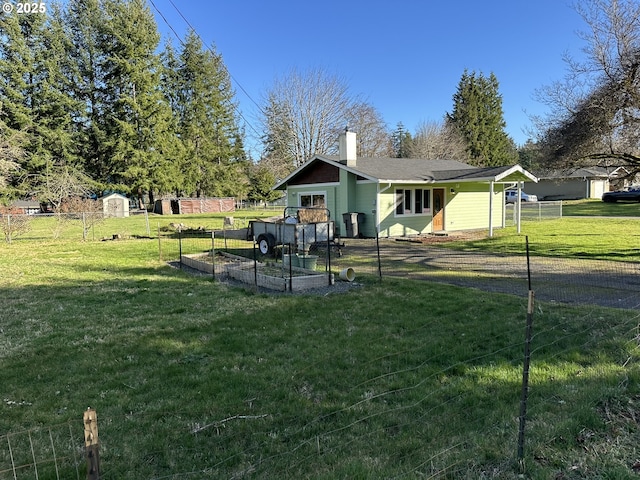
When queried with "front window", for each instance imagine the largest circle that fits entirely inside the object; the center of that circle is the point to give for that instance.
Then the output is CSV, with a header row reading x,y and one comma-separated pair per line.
x,y
413,201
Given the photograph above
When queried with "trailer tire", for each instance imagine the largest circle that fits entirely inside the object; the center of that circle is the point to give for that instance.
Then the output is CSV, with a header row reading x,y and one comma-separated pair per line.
x,y
266,242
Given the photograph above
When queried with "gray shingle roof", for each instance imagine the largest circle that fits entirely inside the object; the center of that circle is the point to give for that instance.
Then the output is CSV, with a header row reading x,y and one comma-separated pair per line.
x,y
421,170
417,170
409,169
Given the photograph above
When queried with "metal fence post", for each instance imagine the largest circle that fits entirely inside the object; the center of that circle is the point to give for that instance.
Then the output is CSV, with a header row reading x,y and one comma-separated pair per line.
x,y
255,265
328,269
213,254
526,365
379,260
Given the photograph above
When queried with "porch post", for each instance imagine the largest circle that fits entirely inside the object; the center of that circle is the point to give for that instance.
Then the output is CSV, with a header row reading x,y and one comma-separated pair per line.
x,y
519,205
491,209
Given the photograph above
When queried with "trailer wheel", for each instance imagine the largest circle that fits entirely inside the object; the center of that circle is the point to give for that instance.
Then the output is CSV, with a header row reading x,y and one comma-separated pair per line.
x,y
266,242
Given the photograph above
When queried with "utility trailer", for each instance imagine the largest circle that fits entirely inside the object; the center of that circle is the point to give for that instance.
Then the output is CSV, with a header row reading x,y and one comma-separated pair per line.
x,y
299,227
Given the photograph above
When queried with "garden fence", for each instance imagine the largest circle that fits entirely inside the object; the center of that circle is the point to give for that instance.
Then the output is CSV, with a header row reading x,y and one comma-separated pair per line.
x,y
532,211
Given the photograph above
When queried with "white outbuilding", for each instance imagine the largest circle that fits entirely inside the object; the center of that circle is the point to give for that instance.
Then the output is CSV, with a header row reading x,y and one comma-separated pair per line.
x,y
115,205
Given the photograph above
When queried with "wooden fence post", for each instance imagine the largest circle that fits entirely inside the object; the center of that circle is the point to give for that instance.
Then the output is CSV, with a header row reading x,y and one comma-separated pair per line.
x,y
91,444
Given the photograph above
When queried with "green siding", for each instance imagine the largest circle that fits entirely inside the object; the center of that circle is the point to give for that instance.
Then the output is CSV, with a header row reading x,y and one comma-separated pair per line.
x,y
466,209
469,210
365,202
392,225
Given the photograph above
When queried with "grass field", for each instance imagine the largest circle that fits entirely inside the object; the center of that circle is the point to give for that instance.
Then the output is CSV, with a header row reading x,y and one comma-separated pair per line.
x,y
395,379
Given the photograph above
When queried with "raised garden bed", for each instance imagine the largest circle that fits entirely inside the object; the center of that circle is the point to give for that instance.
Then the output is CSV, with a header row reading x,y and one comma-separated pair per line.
x,y
268,275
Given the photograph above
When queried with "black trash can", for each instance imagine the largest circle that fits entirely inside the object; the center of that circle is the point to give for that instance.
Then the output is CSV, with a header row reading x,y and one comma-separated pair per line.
x,y
352,222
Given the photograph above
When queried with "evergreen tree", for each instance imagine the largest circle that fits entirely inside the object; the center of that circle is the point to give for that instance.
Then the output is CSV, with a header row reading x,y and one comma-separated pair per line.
x,y
84,21
401,142
477,116
262,180
34,90
199,90
138,125
11,153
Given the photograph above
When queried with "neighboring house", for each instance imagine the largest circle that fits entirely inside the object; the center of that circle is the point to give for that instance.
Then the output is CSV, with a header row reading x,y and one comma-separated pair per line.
x,y
28,207
623,177
115,205
574,184
402,196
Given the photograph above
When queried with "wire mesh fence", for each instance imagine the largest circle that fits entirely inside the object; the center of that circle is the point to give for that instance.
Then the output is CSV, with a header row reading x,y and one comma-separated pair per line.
x,y
532,211
393,393
54,452
556,278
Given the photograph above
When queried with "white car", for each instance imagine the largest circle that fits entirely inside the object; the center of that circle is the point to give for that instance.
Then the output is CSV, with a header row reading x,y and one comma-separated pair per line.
x,y
510,196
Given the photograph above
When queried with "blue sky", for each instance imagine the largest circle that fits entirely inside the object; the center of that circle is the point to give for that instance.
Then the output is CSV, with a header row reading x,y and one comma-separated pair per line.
x,y
404,57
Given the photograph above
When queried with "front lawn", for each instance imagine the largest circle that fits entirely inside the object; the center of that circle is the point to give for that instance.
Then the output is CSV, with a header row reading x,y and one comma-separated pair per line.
x,y
195,379
573,237
592,208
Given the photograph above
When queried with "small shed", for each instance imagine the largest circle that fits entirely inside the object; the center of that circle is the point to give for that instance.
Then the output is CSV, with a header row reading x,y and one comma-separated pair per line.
x,y
115,205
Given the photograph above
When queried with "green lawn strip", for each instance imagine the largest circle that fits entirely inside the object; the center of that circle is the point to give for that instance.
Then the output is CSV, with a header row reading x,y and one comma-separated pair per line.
x,y
600,208
569,237
44,228
398,377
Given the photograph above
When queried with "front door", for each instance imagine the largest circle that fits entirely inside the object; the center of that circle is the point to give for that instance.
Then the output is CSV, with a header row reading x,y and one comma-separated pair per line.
x,y
438,209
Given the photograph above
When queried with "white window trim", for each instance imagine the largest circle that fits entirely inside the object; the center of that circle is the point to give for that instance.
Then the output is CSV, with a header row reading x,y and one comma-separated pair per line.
x,y
312,193
426,212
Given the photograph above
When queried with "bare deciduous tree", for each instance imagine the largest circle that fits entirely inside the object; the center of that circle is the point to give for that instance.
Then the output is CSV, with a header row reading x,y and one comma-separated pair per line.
x,y
13,223
60,183
304,112
595,110
374,139
438,140
84,210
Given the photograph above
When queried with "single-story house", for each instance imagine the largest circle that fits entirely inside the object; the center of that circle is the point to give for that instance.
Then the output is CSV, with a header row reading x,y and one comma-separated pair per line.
x,y
115,205
574,184
27,207
402,196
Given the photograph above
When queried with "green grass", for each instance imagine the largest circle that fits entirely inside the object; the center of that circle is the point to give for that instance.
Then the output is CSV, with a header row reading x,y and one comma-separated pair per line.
x,y
195,379
51,228
599,208
572,237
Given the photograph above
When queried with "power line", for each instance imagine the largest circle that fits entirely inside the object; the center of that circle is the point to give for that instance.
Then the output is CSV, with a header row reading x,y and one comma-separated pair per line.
x,y
214,53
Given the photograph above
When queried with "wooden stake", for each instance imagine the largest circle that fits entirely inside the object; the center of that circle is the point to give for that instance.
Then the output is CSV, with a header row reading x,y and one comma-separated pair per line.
x,y
91,444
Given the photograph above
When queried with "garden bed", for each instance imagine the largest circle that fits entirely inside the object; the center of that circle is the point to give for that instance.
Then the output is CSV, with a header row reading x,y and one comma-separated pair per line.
x,y
265,275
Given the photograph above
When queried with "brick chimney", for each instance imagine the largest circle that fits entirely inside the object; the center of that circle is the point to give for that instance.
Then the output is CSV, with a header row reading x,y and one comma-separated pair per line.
x,y
347,147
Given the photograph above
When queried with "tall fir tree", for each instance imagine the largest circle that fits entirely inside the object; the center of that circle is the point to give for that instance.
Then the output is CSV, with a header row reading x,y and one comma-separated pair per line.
x,y
199,89
34,91
401,141
84,21
137,127
478,117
